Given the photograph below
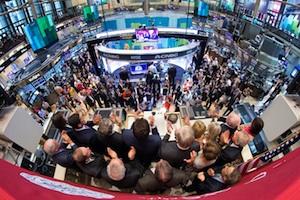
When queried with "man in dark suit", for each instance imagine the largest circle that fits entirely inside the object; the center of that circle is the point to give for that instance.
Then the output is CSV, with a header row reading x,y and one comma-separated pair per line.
x,y
59,152
113,139
176,152
145,144
233,148
172,74
86,136
90,163
60,122
124,74
164,177
120,174
214,180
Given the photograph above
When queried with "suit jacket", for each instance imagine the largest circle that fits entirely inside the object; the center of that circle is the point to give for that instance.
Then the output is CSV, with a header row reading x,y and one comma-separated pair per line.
x,y
134,170
115,142
225,127
63,156
172,72
208,185
89,137
149,184
146,150
170,152
94,166
228,154
72,134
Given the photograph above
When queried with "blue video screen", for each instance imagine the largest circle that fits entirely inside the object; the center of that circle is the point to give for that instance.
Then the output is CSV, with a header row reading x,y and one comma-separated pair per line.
x,y
138,68
202,9
41,33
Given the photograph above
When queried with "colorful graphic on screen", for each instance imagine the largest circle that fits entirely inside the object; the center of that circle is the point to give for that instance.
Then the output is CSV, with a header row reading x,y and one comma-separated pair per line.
x,y
290,22
100,2
250,4
274,6
146,34
138,68
90,13
41,33
202,9
228,5
263,6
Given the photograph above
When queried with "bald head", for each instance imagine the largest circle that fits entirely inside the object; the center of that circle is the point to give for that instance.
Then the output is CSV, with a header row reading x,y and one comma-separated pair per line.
x,y
233,120
116,169
241,138
51,146
81,154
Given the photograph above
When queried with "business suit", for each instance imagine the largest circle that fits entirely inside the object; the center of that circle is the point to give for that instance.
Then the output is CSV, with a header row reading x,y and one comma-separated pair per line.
x,y
93,166
146,150
115,142
230,153
170,152
88,137
63,156
134,171
210,184
149,183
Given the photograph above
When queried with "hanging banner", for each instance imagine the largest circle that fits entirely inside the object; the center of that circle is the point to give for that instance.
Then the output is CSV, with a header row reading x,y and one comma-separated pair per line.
x,y
278,180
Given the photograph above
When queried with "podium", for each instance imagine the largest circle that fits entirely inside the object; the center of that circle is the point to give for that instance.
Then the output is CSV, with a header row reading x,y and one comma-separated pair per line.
x,y
17,126
281,115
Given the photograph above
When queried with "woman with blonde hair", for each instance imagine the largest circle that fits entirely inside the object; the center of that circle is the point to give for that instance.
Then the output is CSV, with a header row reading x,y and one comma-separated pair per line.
x,y
199,129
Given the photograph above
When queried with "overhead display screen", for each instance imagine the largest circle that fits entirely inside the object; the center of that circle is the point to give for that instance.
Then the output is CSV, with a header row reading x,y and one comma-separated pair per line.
x,y
228,5
263,6
202,9
90,13
290,22
274,6
144,34
250,5
100,2
41,33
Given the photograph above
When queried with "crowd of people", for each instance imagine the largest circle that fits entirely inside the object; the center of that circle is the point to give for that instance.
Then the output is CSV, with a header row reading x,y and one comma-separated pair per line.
x,y
205,83
196,157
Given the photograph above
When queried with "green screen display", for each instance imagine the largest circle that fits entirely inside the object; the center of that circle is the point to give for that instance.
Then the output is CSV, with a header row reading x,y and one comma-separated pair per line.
x,y
47,29
41,33
100,2
90,13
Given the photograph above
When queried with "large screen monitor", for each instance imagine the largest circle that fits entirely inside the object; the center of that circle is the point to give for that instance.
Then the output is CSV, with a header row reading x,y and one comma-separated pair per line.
x,y
274,6
290,22
295,71
228,5
90,13
138,68
41,33
202,9
144,34
100,2
250,4
263,6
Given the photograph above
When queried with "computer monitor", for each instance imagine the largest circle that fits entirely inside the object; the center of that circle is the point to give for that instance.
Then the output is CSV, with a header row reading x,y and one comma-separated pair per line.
x,y
295,71
138,68
144,34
